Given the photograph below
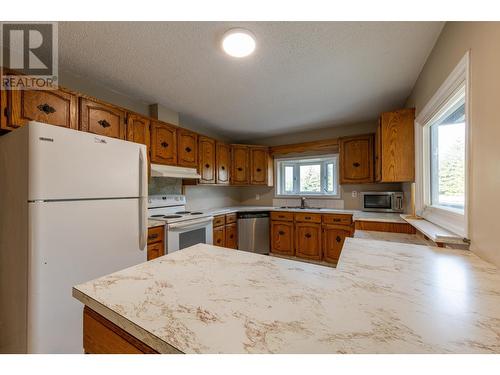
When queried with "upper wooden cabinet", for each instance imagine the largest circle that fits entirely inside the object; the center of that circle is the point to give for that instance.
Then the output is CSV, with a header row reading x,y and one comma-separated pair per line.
x,y
103,119
240,163
3,110
223,163
395,146
163,143
258,165
356,159
187,148
206,155
54,107
138,130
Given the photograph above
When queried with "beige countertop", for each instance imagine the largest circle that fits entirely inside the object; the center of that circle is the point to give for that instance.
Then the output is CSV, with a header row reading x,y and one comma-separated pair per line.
x,y
155,223
384,297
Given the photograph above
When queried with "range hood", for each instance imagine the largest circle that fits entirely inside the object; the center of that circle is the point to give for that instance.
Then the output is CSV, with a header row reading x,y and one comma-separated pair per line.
x,y
158,170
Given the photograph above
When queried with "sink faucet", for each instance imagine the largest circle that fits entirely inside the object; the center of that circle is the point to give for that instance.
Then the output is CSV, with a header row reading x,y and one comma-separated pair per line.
x,y
302,202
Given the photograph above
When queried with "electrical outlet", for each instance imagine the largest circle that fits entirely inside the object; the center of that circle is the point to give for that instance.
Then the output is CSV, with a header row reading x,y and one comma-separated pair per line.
x,y
257,197
354,194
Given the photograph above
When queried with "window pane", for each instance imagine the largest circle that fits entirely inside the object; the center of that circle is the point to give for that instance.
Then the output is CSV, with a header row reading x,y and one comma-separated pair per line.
x,y
289,179
329,178
447,141
310,177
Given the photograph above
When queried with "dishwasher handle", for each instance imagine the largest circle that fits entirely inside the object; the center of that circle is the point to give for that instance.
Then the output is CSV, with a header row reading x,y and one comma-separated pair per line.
x,y
253,215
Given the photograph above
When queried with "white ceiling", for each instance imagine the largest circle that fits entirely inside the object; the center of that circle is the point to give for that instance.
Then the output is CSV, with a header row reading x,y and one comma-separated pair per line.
x,y
302,75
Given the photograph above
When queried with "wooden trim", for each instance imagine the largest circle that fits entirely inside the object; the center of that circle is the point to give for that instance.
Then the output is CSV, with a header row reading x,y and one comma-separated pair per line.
x,y
323,146
100,336
379,226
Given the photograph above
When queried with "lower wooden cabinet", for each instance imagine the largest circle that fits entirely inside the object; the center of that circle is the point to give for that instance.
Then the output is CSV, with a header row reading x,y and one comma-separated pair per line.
x,y
225,231
333,240
282,241
156,242
219,235
232,235
308,240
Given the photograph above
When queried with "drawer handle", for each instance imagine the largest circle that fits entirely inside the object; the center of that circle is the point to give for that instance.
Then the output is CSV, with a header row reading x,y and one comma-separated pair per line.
x,y
188,149
308,218
47,109
207,165
281,216
240,169
308,235
104,123
336,220
356,164
152,236
164,144
258,169
281,233
338,239
231,236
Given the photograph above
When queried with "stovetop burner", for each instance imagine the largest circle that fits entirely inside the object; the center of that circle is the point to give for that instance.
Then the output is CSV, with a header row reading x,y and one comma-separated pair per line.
x,y
172,216
196,213
183,212
157,215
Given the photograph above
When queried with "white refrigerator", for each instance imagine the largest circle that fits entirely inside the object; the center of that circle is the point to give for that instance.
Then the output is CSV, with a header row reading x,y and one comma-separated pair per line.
x,y
73,207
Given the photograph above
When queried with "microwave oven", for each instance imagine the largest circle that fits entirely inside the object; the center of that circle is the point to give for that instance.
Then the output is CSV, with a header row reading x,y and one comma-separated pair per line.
x,y
386,201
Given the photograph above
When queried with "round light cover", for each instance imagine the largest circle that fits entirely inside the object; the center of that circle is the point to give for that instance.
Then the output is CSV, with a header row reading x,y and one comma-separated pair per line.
x,y
238,42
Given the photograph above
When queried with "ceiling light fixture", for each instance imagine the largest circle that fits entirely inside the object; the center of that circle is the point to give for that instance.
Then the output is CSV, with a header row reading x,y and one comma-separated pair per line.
x,y
238,42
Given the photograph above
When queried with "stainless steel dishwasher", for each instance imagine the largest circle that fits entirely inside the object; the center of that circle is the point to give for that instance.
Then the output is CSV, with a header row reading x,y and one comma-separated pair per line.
x,y
253,232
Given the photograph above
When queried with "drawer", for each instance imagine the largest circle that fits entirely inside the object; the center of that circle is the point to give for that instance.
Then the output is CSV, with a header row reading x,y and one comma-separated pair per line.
x,y
155,234
338,219
308,218
282,216
231,218
155,250
219,220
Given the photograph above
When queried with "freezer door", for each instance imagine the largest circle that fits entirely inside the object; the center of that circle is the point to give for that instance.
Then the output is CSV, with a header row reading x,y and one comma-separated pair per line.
x,y
70,243
69,164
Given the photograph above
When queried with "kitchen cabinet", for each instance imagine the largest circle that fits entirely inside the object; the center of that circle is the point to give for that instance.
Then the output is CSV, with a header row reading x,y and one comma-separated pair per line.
x,y
206,154
282,240
308,240
55,107
138,130
187,148
3,111
223,163
258,165
239,170
219,235
333,241
231,235
101,118
356,159
156,242
395,146
163,143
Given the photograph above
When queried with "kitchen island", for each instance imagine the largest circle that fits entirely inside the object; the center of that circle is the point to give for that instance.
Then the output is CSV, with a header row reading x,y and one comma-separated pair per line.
x,y
382,298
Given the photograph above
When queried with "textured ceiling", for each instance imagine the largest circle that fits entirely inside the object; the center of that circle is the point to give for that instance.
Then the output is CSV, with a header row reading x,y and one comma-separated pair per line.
x,y
302,75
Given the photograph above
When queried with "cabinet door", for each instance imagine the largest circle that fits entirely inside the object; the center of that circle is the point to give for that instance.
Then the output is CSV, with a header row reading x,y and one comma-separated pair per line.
x,y
239,170
3,110
378,151
55,107
398,146
220,236
282,238
155,250
356,159
308,240
102,119
258,165
187,146
206,154
138,130
232,236
163,143
223,164
333,240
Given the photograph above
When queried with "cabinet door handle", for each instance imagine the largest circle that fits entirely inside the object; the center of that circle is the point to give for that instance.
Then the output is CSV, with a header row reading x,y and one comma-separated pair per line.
x,y
47,109
308,235
338,239
231,236
218,240
356,164
223,168
281,233
164,144
207,165
104,123
188,149
258,169
240,169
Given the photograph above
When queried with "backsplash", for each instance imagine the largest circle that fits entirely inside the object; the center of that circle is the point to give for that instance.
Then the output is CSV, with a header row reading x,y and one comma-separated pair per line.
x,y
313,203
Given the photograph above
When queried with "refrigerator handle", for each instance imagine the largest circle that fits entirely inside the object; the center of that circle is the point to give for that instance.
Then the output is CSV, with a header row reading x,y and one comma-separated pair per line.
x,y
143,185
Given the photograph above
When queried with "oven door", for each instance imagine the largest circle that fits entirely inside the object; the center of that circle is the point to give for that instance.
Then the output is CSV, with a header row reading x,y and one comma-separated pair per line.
x,y
188,233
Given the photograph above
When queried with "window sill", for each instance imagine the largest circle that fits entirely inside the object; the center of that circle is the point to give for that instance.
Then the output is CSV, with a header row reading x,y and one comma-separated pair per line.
x,y
434,232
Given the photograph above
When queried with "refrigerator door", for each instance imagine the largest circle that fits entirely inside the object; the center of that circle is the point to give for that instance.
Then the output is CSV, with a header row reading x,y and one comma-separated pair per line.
x,y
70,243
67,164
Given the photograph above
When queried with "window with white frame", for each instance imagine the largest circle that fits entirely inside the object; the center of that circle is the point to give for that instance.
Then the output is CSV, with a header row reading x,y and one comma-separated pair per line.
x,y
442,154
308,176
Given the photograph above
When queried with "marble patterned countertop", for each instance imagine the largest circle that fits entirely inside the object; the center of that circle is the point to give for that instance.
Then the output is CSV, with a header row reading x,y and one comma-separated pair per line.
x,y
155,223
383,297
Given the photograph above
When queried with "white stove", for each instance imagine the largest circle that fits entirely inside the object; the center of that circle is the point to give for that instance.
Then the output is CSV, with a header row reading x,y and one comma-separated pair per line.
x,y
182,228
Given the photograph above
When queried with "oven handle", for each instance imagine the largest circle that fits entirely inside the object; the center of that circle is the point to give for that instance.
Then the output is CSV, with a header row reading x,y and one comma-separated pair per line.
x,y
192,224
